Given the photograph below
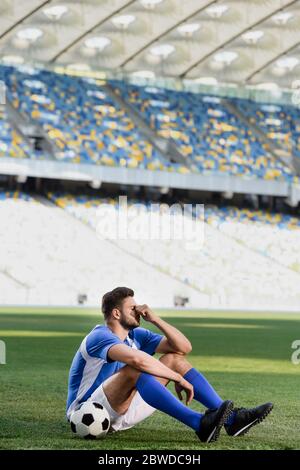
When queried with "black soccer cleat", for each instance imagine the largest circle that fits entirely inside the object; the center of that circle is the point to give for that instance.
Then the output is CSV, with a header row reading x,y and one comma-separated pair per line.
x,y
246,418
212,422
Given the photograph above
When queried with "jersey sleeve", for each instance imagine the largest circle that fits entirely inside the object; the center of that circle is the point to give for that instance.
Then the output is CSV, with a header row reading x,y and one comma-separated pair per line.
x,y
99,343
147,340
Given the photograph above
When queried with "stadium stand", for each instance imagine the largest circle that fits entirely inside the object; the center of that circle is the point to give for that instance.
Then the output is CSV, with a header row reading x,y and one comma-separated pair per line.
x,y
274,235
11,142
83,121
50,258
87,125
278,122
204,129
227,272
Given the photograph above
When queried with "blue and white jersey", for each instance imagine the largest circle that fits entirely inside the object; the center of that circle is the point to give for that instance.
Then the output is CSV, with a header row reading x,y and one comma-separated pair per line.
x,y
91,364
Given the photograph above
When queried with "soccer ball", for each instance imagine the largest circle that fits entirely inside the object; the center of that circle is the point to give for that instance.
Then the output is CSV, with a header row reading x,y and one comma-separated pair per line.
x,y
90,421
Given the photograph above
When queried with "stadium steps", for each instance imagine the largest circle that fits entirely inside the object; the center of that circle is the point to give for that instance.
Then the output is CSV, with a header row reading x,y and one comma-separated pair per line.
x,y
257,252
192,291
251,250
277,151
166,147
49,203
61,258
19,296
12,117
245,253
30,130
12,278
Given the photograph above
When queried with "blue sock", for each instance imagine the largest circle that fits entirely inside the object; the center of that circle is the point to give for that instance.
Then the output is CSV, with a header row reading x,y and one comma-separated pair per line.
x,y
159,397
204,392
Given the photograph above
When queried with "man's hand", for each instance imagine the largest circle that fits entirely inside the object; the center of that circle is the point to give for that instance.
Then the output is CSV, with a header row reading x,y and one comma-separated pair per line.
x,y
146,313
187,387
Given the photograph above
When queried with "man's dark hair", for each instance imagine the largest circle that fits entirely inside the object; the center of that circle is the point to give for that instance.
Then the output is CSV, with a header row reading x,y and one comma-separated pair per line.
x,y
114,299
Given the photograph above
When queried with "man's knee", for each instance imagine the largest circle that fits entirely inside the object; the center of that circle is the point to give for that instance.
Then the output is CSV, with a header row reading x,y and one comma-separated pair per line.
x,y
120,386
171,359
130,373
177,362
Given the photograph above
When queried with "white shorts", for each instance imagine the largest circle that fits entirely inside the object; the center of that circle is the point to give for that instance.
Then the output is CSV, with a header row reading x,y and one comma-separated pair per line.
x,y
137,411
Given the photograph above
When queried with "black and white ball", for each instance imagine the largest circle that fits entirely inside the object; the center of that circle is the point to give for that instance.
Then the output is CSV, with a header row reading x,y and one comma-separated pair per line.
x,y
90,421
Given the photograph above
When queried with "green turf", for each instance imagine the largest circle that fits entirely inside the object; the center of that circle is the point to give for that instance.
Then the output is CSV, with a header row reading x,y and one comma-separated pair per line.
x,y
246,356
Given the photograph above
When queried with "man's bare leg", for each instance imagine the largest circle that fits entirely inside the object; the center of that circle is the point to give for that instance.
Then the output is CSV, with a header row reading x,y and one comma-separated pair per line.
x,y
176,362
120,387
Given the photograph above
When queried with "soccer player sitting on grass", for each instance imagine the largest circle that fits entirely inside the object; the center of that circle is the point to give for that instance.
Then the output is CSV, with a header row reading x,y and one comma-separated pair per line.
x,y
114,366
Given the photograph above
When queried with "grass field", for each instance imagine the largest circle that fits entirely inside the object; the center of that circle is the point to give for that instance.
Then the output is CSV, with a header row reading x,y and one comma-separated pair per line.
x,y
246,356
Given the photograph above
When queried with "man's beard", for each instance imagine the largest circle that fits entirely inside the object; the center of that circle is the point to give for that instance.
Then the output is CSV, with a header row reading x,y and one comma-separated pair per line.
x,y
127,325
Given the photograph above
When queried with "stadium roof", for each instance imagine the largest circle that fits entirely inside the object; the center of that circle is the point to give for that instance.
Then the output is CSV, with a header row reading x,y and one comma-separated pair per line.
x,y
236,41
